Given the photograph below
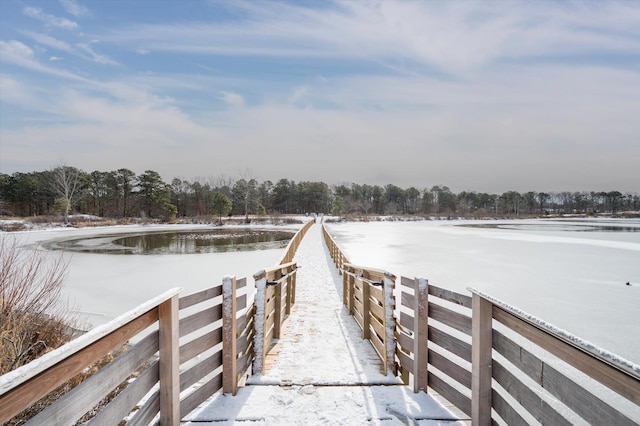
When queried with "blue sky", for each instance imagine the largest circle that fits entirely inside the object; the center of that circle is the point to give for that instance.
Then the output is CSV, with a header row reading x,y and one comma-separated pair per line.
x,y
486,96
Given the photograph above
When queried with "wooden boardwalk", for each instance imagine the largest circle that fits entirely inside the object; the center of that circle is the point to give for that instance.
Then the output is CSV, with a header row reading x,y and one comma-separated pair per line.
x,y
322,371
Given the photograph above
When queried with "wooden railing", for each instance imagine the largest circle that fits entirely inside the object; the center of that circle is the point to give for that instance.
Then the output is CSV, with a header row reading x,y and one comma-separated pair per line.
x,y
494,362
26,385
186,349
367,294
275,295
336,254
293,245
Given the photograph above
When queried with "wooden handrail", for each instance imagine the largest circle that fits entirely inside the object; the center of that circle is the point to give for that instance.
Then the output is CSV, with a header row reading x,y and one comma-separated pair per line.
x,y
27,384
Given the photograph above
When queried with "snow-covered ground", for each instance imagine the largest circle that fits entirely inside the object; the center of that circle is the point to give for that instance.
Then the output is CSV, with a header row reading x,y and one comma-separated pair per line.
x,y
324,372
563,272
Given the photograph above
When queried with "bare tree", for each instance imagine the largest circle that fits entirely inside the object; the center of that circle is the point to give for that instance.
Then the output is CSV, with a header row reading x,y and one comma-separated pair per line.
x,y
68,183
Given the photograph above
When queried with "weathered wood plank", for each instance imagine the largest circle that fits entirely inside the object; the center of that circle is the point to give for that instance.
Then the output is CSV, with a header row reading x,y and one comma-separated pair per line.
x,y
197,372
242,364
22,396
200,319
530,401
481,361
407,321
358,317
241,283
229,336
407,282
450,343
506,411
125,402
407,300
241,302
378,345
201,296
377,292
199,345
71,406
147,412
451,394
451,369
524,360
169,350
617,380
404,340
405,360
200,395
580,400
451,318
450,296
378,327
376,310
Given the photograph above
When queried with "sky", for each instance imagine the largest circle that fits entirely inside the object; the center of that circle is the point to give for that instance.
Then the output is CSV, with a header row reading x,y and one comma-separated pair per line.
x,y
483,96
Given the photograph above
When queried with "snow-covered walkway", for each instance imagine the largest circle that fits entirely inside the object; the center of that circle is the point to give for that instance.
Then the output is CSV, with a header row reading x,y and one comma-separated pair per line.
x,y
323,372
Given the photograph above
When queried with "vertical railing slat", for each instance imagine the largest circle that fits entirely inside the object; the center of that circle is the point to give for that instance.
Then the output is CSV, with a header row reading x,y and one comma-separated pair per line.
x,y
420,334
481,361
229,336
169,362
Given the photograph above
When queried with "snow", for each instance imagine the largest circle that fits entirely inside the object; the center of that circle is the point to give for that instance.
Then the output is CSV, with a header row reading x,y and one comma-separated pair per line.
x,y
324,372
575,280
261,286
99,287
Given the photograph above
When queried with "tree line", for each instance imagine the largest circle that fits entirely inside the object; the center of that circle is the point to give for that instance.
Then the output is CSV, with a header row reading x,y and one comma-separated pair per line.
x,y
122,193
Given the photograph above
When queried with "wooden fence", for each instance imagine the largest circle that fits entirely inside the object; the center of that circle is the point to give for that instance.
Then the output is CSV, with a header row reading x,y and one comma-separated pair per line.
x,y
496,364
186,349
275,295
292,247
367,294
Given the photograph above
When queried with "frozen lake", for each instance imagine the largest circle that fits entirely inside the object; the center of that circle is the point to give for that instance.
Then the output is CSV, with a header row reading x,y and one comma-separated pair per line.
x,y
571,273
101,286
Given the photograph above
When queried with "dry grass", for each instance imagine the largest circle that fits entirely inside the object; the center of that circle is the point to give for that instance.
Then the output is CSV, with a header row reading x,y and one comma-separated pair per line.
x,y
32,319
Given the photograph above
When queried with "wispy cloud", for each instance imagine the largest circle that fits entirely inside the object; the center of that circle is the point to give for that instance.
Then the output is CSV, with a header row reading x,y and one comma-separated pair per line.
x,y
51,20
18,53
73,8
448,36
95,57
233,99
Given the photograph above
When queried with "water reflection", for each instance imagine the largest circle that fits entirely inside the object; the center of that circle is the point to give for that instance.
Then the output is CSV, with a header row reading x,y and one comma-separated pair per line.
x,y
178,242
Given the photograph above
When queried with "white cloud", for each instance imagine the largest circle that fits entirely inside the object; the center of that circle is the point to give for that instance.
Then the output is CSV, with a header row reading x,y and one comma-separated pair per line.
x,y
18,53
143,51
55,58
454,37
93,56
73,8
233,99
51,20
49,41
15,51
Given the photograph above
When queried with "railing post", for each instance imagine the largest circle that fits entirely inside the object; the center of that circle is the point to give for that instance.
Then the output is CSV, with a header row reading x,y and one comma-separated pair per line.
x,y
169,362
345,289
229,336
389,282
366,309
481,335
277,323
420,334
259,322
